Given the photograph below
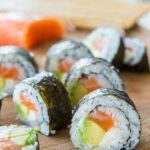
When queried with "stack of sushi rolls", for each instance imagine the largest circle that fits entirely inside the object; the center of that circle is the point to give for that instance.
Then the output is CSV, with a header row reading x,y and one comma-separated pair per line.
x,y
42,102
89,74
106,43
16,64
61,56
136,55
105,119
18,137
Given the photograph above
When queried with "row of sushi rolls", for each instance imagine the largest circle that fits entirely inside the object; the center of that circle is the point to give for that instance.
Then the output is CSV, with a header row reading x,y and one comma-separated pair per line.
x,y
80,87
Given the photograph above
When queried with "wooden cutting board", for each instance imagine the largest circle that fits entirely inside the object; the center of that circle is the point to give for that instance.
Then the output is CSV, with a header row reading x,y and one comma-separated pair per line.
x,y
137,86
87,14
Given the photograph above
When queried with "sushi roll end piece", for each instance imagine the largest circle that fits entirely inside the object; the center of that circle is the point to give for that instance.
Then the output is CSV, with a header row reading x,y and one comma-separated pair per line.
x,y
106,43
89,74
16,64
105,120
61,56
42,102
135,58
18,137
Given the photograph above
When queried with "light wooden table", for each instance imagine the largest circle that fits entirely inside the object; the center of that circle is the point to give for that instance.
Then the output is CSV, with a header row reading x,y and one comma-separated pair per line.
x,y
137,86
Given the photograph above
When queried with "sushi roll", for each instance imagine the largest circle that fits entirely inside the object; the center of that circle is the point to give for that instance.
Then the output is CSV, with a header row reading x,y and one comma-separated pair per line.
x,y
42,102
135,58
89,74
15,65
105,119
18,137
106,43
61,56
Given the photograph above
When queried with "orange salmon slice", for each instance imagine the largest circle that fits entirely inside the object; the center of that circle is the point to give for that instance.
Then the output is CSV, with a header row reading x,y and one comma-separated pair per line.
x,y
102,119
27,102
9,73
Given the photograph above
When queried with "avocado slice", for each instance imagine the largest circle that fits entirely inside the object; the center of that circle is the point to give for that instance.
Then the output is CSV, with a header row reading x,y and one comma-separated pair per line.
x,y
91,133
58,74
77,92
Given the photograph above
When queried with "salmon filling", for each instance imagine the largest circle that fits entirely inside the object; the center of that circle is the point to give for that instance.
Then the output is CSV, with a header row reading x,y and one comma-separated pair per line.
x,y
27,102
89,83
26,108
9,73
102,119
6,144
99,44
65,65
84,86
96,125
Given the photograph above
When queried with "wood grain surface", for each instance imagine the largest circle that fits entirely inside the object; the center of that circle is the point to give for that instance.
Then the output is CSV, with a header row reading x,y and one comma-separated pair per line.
x,y
82,13
137,86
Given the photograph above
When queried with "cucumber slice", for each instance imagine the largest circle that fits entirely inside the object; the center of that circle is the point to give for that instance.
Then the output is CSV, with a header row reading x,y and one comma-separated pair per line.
x,y
92,133
2,83
22,110
78,91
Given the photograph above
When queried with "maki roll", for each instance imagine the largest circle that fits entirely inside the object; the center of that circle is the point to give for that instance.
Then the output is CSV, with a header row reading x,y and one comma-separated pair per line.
x,y
106,43
42,102
61,56
89,74
106,119
15,64
135,58
18,137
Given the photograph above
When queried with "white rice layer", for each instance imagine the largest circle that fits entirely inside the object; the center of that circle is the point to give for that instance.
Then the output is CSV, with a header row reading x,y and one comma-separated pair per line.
x,y
127,118
101,71
135,49
117,135
110,38
19,134
39,119
25,69
65,50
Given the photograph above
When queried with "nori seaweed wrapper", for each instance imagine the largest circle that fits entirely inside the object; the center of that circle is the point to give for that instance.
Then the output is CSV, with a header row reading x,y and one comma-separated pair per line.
x,y
118,59
136,57
110,92
55,97
142,66
119,94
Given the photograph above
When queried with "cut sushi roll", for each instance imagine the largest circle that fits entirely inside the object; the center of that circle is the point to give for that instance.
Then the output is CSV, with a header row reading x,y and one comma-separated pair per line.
x,y
61,56
89,74
42,102
106,43
106,120
15,65
18,137
136,55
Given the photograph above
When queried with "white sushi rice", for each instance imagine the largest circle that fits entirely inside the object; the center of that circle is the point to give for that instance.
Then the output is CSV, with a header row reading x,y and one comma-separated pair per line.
x,y
18,134
38,120
133,56
25,68
111,42
103,72
127,122
63,50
